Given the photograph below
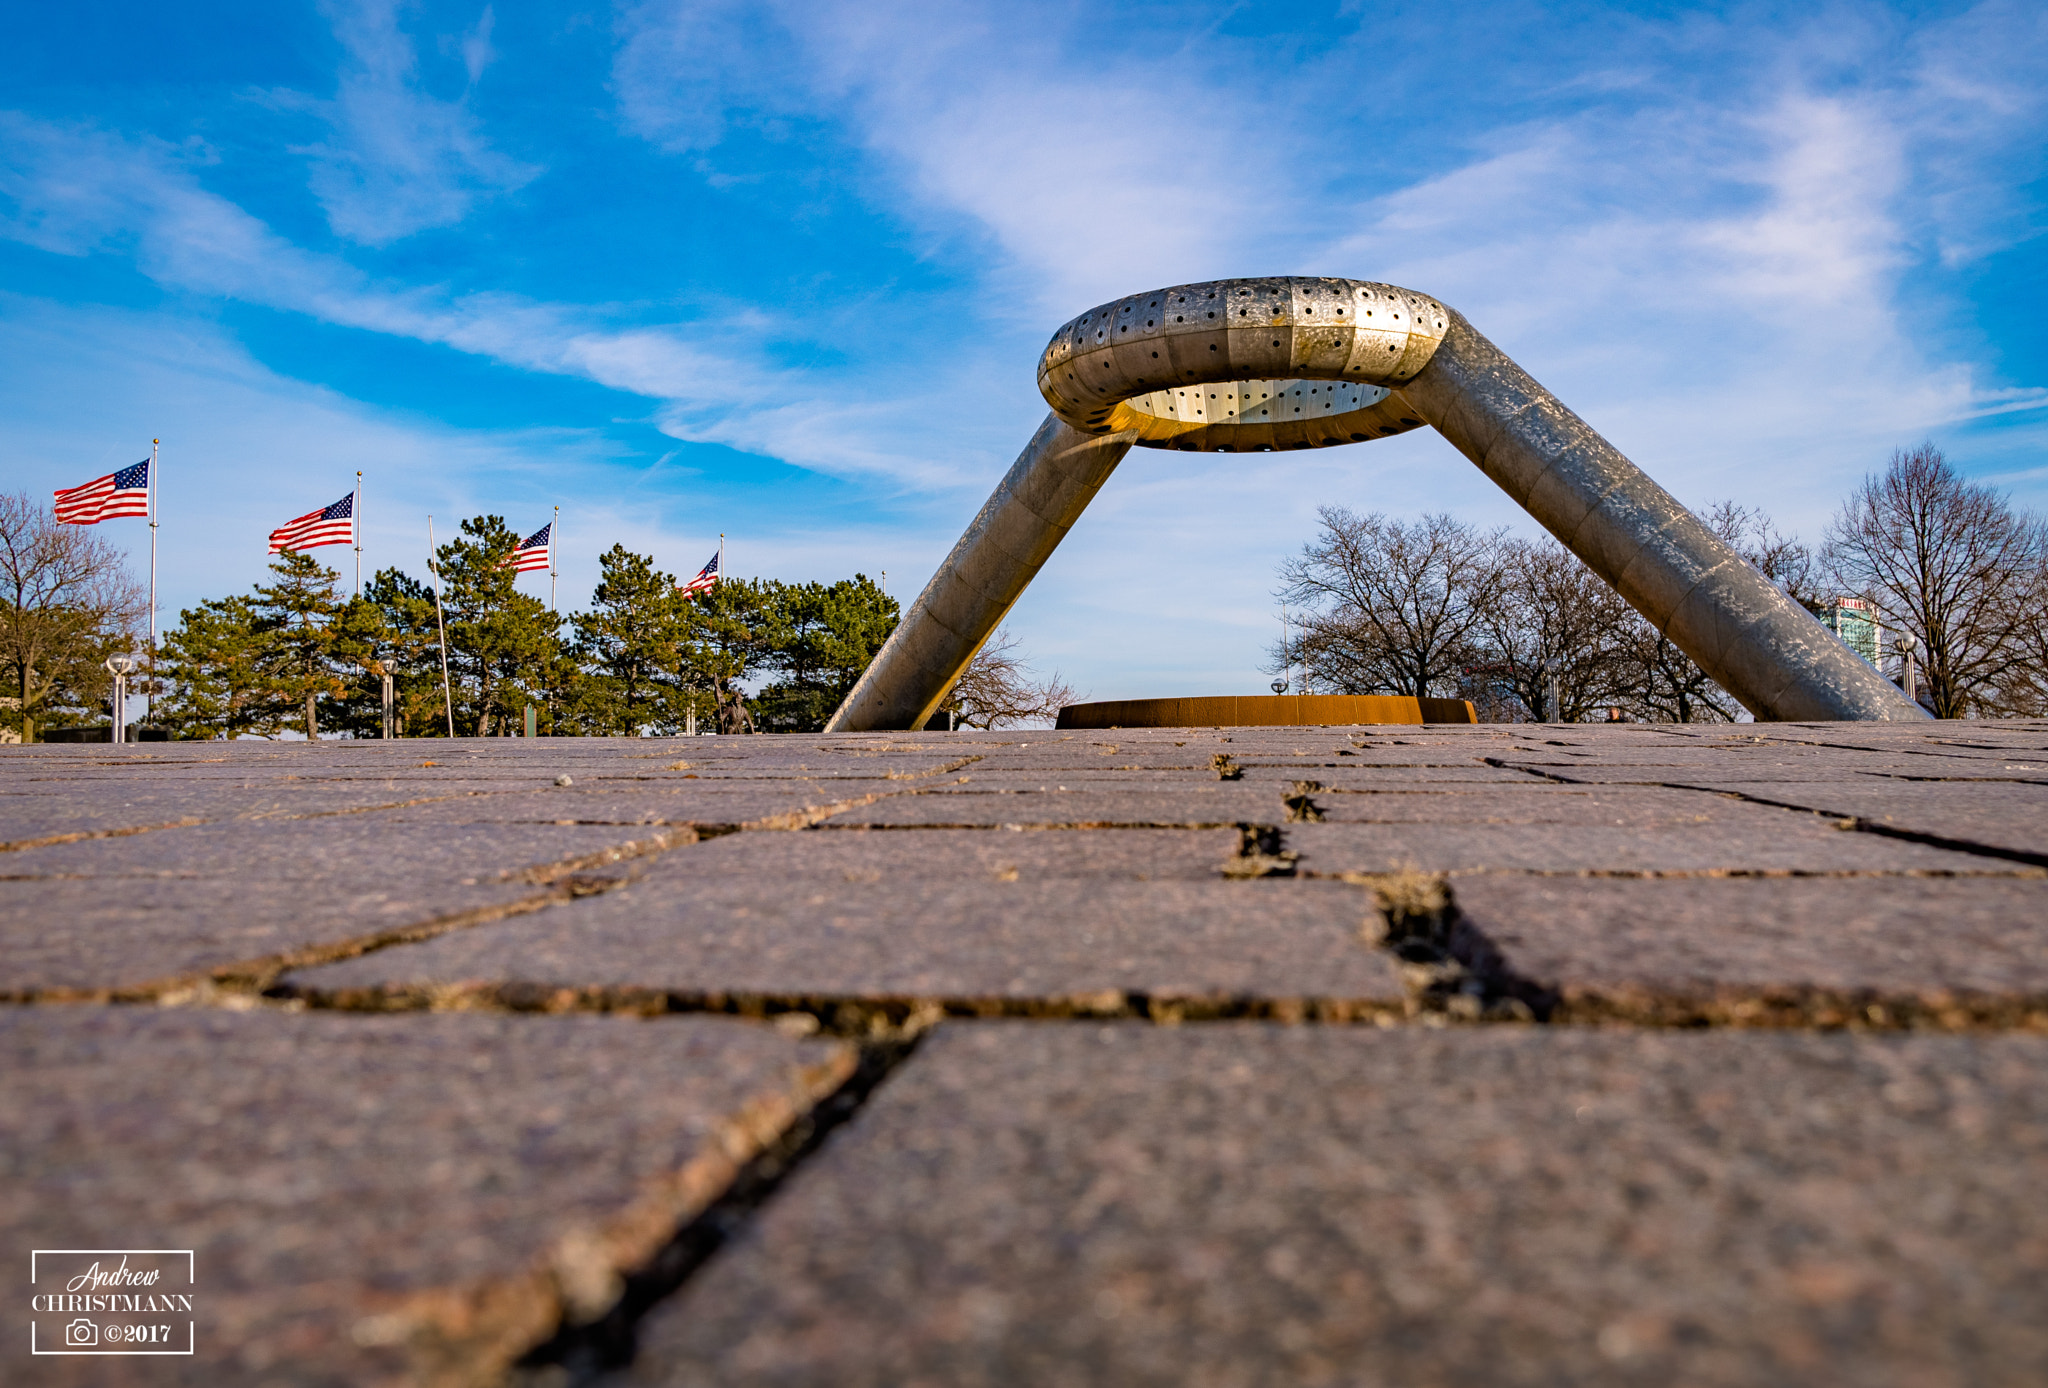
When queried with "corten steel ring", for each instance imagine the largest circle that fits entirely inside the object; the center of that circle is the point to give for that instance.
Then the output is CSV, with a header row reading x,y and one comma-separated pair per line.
x,y
1267,364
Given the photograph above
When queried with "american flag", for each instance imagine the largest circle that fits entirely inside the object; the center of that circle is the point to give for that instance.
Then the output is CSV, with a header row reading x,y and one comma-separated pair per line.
x,y
123,493
707,578
532,552
335,525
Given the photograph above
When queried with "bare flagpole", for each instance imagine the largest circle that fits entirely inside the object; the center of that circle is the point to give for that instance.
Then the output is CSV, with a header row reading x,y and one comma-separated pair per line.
x,y
149,695
357,516
440,624
554,539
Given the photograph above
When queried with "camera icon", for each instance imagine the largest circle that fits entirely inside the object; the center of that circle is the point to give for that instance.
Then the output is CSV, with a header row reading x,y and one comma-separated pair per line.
x,y
81,1332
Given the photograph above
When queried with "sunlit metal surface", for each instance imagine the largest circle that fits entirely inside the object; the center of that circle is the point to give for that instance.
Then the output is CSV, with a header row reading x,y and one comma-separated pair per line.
x,y
1244,365
1288,363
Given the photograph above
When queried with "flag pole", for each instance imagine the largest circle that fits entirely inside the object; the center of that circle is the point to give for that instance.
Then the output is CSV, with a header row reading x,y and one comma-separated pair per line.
x,y
721,556
149,695
554,538
356,515
440,624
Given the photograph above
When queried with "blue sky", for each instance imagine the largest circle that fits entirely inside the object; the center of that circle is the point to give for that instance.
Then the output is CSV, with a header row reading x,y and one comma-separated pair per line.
x,y
782,271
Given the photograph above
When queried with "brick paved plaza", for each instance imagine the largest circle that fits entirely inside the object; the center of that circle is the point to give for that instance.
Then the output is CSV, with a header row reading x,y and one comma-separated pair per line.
x,y
1683,1055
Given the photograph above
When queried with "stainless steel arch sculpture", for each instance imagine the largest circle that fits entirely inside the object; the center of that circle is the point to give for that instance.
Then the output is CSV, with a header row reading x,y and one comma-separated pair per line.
x,y
1264,364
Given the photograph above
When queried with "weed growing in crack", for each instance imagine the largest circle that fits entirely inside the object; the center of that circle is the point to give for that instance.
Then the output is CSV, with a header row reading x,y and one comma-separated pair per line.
x,y
1415,912
1301,809
1261,852
1416,920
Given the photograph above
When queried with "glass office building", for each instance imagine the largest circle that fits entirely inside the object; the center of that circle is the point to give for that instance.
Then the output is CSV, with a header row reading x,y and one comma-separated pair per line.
x,y
1855,621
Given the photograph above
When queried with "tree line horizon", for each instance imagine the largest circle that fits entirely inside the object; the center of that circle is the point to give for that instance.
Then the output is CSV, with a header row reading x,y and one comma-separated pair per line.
x,y
1435,607
295,655
1439,607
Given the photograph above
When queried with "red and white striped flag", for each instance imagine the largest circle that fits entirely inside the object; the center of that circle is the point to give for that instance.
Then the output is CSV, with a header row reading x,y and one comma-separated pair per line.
x,y
332,525
533,551
123,493
707,578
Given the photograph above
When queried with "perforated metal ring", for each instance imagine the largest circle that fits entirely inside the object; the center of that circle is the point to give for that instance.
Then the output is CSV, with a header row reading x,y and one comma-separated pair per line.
x,y
1244,365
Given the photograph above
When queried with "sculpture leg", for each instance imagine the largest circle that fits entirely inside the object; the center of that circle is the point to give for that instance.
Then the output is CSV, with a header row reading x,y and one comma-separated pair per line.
x,y
1751,639
1038,501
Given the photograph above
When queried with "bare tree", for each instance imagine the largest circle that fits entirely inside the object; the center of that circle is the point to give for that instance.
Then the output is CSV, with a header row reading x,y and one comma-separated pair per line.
x,y
997,691
2022,692
1664,684
1948,561
67,602
1553,623
1390,608
1784,559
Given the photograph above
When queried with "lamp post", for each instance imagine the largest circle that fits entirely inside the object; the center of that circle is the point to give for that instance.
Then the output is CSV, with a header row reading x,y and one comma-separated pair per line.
x,y
1905,645
383,674
1286,654
120,666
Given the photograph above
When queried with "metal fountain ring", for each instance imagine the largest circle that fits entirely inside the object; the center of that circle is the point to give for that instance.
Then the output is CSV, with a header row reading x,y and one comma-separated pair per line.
x,y
1306,362
1245,365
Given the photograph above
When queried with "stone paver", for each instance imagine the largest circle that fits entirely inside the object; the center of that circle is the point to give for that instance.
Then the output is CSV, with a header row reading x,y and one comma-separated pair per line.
x,y
1769,842
2011,818
376,1199
78,807
723,803
115,913
67,938
1052,916
1649,944
1052,802
1237,1204
1742,1151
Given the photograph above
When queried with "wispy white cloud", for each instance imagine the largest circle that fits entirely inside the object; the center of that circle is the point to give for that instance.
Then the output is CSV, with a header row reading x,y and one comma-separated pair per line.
x,y
1741,312
75,189
1081,171
1713,241
1728,241
399,159
245,448
1721,269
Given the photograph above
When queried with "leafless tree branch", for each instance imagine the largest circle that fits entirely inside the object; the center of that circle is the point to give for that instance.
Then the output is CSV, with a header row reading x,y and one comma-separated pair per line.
x,y
67,602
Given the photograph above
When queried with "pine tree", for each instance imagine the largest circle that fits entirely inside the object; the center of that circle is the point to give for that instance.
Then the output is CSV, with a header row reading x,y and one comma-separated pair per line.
x,y
821,637
504,648
727,635
211,665
295,615
258,663
391,626
631,642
